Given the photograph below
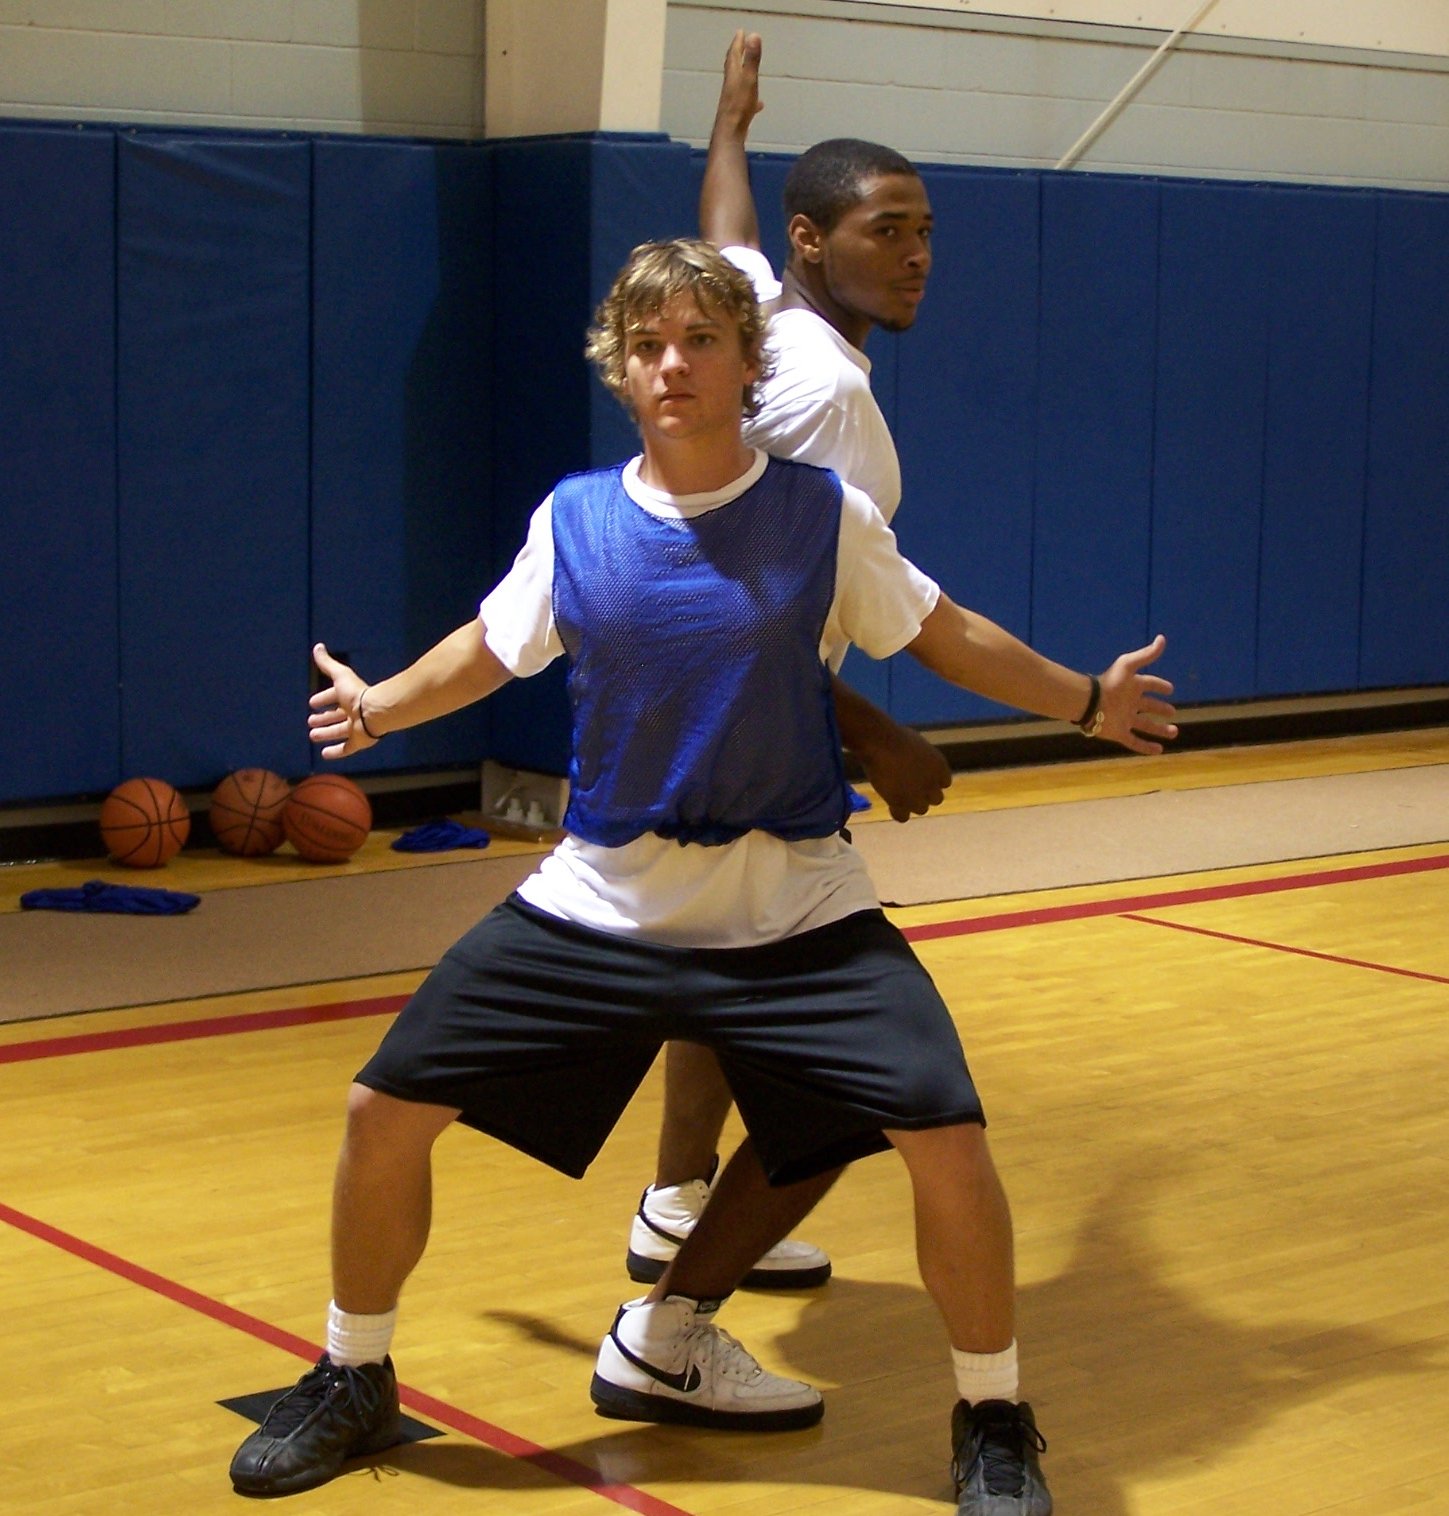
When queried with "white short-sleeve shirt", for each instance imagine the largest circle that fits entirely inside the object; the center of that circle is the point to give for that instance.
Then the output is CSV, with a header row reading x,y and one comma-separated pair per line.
x,y
817,406
757,889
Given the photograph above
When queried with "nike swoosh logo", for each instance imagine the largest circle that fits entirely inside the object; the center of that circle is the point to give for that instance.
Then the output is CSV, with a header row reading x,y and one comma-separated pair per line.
x,y
686,1381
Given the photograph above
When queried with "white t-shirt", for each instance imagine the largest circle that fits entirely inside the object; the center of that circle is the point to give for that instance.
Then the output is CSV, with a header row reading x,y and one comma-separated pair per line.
x,y
757,889
817,406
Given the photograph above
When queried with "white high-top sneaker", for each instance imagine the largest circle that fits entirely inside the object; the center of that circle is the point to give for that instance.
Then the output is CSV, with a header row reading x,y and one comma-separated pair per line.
x,y
666,1216
669,1362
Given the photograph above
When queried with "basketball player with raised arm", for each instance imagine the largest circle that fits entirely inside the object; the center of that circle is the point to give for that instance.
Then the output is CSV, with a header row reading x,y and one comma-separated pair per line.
x,y
860,225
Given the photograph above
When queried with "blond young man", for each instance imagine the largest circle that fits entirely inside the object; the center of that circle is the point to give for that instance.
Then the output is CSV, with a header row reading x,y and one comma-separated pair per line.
x,y
704,892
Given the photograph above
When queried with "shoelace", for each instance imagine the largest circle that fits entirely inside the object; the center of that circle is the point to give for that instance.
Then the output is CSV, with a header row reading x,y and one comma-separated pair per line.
x,y
316,1387
1002,1450
730,1354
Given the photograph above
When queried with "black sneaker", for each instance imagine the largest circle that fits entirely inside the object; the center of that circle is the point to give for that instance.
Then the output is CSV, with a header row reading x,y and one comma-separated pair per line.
x,y
994,1460
331,1414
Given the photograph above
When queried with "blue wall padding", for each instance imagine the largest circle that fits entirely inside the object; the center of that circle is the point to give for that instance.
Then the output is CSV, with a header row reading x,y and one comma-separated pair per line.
x,y
641,191
402,388
1092,532
256,390
58,475
1212,369
570,212
1405,629
966,408
1322,262
212,404
768,172
539,416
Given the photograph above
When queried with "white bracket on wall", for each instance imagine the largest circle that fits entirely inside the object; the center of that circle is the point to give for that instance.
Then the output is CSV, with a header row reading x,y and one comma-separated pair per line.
x,y
520,803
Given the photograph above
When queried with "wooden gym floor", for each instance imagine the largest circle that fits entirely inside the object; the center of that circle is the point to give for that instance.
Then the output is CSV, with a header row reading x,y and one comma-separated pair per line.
x,y
1217,1102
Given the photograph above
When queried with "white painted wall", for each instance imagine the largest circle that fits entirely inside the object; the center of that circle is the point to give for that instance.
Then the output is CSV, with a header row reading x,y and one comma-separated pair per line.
x,y
573,66
411,67
942,79
392,67
1018,91
1406,26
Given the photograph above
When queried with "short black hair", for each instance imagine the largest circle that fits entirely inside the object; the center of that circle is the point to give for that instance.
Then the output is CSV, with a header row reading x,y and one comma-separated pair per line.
x,y
825,180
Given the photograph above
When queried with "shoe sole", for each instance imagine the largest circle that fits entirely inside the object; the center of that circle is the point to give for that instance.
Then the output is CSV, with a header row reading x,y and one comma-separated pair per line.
x,y
630,1405
299,1483
644,1270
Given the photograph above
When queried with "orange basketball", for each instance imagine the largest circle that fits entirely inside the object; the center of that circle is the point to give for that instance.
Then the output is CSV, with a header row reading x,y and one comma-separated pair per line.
x,y
327,818
144,822
246,812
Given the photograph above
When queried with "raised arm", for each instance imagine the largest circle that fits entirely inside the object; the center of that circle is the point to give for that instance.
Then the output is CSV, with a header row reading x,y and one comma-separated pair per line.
x,y
350,714
726,206
973,652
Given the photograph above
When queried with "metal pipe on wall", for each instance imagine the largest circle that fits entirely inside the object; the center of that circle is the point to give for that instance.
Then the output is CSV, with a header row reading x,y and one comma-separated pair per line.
x,y
1119,101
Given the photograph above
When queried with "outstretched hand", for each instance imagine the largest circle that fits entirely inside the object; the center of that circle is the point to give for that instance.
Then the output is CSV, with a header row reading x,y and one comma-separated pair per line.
x,y
739,96
334,719
1133,713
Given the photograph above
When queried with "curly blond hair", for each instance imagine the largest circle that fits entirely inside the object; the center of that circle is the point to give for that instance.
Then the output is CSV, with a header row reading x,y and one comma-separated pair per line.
x,y
655,273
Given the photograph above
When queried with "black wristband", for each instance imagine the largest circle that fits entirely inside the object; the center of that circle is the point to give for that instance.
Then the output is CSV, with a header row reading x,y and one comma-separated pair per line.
x,y
1089,723
362,718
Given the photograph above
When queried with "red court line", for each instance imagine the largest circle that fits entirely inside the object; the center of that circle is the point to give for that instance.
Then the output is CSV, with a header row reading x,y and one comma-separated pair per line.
x,y
53,1047
210,1026
484,1432
1237,890
1284,947
557,1464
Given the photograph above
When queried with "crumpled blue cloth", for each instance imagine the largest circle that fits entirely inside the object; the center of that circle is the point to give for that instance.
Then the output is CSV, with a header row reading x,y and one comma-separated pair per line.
x,y
119,899
439,837
858,802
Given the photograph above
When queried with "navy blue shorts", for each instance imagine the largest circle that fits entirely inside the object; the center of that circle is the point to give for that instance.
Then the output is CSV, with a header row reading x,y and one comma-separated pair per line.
x,y
539,1032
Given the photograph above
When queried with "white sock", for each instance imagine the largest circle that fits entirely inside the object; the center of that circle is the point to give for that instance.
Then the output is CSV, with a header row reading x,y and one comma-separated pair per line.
x,y
986,1376
355,1339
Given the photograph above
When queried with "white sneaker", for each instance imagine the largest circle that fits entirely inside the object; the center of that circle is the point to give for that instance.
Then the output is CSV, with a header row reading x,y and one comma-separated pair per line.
x,y
666,1216
669,1362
